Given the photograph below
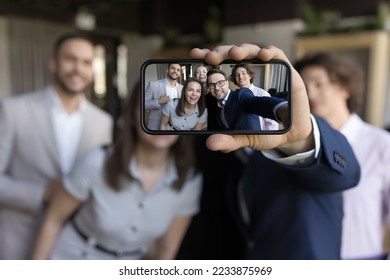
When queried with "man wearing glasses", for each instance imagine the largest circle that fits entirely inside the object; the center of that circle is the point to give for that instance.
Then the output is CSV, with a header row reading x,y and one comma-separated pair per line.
x,y
240,109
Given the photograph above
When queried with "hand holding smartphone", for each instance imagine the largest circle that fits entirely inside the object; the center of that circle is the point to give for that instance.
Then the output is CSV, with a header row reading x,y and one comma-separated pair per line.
x,y
234,97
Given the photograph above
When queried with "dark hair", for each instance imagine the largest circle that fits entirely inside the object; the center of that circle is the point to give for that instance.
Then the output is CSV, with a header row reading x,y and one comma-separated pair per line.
x,y
201,102
117,163
242,65
216,71
169,65
341,71
70,36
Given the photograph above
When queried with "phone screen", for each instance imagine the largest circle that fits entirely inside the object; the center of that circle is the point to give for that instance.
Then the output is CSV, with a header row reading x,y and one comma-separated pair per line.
x,y
186,96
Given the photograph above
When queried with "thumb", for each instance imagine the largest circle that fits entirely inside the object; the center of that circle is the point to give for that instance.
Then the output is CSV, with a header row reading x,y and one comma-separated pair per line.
x,y
226,143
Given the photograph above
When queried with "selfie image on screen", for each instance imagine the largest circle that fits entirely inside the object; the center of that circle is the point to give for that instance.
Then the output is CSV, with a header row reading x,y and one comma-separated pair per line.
x,y
235,97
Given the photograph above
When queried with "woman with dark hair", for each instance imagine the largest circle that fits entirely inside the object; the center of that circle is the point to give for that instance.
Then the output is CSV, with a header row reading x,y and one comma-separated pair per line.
x,y
129,201
187,112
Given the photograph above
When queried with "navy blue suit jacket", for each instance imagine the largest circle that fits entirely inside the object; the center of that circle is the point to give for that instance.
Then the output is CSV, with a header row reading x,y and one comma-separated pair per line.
x,y
296,212
242,109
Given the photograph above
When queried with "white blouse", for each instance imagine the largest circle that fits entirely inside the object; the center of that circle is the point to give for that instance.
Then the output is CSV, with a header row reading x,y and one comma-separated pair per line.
x,y
125,220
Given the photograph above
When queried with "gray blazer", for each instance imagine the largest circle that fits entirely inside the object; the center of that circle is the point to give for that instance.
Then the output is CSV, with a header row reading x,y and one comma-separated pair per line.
x,y
29,159
153,91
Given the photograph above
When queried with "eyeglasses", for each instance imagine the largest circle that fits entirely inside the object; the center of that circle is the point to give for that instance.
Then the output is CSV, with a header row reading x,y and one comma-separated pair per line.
x,y
220,83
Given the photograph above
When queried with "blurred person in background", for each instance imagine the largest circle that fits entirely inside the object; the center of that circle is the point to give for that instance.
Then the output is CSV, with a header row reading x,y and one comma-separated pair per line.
x,y
213,224
132,200
42,135
283,209
335,89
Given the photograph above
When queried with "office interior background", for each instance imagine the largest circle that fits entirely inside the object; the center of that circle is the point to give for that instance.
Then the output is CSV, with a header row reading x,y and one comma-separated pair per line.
x,y
128,32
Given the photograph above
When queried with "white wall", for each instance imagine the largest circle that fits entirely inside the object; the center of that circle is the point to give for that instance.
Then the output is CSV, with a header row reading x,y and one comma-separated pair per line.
x,y
282,35
278,33
387,106
140,49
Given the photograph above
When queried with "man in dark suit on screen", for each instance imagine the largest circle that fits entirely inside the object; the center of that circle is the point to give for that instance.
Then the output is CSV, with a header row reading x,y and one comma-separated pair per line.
x,y
240,109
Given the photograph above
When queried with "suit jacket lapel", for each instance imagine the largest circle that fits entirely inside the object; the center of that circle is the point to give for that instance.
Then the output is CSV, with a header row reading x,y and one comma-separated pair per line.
x,y
162,87
87,130
40,108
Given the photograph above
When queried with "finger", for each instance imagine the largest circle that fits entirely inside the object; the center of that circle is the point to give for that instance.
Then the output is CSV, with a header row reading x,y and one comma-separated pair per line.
x,y
221,142
226,143
301,124
197,53
272,52
244,51
218,54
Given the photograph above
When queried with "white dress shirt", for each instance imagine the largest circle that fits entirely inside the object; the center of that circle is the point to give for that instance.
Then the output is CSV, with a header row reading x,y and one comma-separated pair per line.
x,y
367,205
67,130
300,158
171,91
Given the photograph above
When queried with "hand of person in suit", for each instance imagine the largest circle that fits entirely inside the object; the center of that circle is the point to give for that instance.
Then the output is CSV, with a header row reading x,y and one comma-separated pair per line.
x,y
298,139
163,99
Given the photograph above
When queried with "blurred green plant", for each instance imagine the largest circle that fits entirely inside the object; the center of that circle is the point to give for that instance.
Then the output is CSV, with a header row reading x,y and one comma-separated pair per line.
x,y
213,25
323,21
319,21
170,36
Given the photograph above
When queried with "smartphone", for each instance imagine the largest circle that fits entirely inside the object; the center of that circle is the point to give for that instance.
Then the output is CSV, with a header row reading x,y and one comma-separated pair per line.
x,y
240,97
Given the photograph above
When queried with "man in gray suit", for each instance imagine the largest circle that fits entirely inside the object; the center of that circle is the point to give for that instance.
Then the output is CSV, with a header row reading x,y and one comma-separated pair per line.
x,y
158,93
42,134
